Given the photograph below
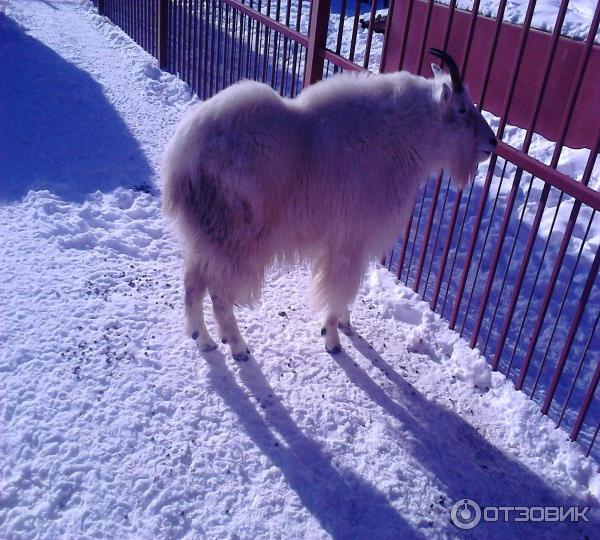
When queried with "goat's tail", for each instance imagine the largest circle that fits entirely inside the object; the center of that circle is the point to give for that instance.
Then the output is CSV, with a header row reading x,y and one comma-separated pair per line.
x,y
177,192
176,181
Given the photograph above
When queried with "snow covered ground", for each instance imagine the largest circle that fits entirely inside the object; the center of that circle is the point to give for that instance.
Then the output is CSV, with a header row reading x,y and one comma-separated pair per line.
x,y
114,425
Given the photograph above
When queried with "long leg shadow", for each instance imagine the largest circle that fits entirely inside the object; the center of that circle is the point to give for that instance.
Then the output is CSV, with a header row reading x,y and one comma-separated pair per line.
x,y
344,504
463,460
57,129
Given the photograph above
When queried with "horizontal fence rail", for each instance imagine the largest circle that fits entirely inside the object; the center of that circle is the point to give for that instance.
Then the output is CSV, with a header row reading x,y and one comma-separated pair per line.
x,y
512,262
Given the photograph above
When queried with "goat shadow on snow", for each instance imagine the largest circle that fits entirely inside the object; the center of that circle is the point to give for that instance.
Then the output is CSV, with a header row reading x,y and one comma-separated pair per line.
x,y
58,130
346,506
465,463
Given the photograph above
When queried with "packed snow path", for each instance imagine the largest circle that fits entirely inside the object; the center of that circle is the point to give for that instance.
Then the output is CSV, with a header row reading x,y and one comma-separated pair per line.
x,y
115,426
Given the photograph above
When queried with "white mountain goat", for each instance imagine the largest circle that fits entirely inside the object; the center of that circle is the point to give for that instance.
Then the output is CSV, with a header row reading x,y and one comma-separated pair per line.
x,y
330,176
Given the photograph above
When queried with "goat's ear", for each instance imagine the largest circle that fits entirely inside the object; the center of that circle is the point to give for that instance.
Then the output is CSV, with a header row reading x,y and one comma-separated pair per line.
x,y
445,95
436,70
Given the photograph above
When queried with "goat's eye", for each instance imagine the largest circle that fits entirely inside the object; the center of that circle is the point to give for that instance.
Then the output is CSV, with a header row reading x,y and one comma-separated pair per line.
x,y
462,111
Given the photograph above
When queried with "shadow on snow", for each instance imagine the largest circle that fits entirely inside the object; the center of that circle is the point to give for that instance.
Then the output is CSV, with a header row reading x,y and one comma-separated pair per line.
x,y
58,131
346,506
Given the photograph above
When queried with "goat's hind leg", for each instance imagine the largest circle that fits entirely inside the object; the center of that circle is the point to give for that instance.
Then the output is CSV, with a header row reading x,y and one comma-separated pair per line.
x,y
228,327
344,322
195,289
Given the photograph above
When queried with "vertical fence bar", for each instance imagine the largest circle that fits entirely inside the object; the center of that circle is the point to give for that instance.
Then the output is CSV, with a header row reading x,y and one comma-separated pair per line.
x,y
248,47
195,47
234,15
405,237
136,22
354,29
317,40
240,50
423,255
417,228
180,37
394,47
370,33
340,35
225,47
205,72
286,47
424,37
220,45
589,448
188,32
437,237
569,341
297,51
442,268
257,45
276,36
474,19
163,33
589,394
213,29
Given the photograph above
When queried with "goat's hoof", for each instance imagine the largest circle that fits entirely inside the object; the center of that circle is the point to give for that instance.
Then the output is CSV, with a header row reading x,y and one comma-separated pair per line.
x,y
346,328
243,356
336,349
207,347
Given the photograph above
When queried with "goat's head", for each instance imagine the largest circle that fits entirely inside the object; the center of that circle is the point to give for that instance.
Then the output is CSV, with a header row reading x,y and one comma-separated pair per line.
x,y
467,137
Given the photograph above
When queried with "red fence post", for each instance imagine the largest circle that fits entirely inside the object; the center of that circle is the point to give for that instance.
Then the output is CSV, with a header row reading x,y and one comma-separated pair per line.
x,y
162,29
396,33
317,40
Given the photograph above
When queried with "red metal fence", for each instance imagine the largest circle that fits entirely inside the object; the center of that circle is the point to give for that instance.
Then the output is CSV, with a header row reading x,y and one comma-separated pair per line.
x,y
512,262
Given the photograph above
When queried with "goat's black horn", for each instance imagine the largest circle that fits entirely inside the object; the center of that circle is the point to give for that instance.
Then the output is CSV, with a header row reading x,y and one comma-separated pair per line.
x,y
452,68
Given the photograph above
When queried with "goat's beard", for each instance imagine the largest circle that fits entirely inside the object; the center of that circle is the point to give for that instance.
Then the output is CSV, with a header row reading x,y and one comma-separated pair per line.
x,y
463,171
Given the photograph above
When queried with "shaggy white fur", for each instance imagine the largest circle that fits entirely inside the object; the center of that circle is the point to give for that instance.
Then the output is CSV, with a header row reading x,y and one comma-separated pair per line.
x,y
331,176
